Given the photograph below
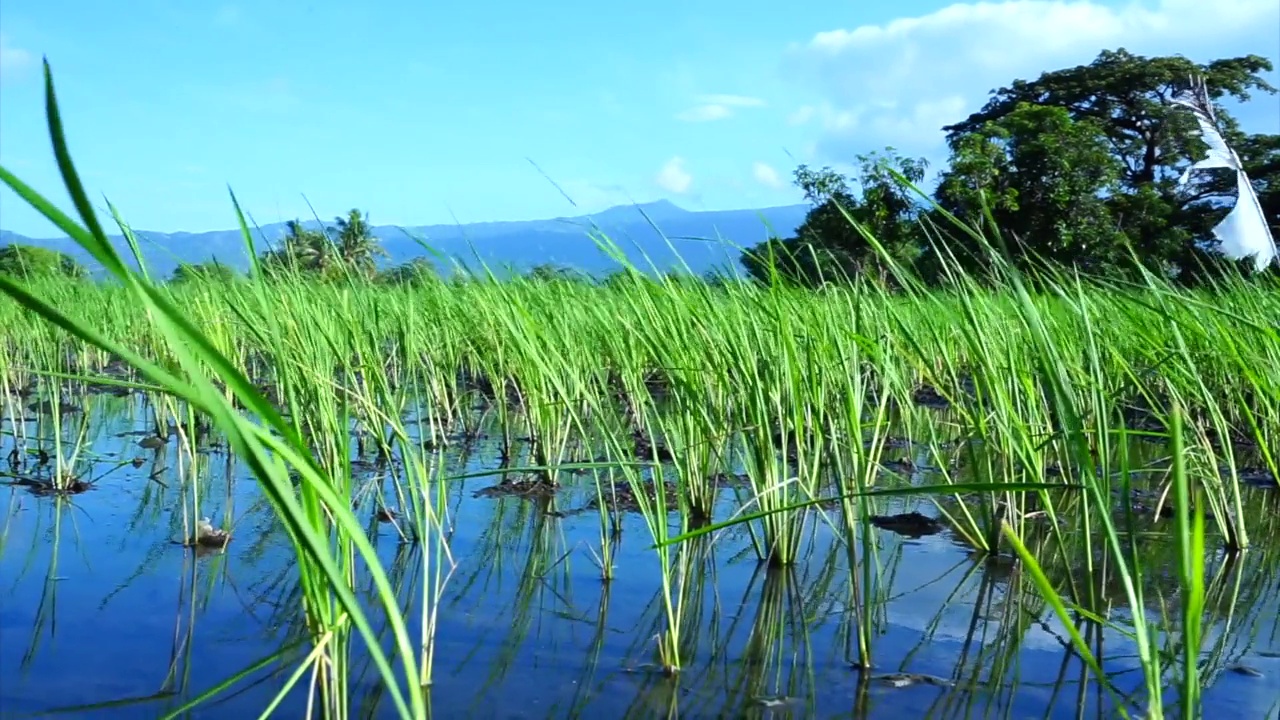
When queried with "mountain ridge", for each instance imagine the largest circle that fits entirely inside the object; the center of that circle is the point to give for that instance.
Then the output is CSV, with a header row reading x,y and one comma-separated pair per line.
x,y
701,239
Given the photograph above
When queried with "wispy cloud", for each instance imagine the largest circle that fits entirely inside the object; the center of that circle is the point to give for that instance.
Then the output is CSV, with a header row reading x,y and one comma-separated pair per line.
x,y
898,83
14,61
718,107
589,196
766,175
673,177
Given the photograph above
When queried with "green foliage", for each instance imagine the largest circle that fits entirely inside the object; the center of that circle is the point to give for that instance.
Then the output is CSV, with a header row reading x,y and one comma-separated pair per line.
x,y
1126,98
1039,180
212,271
1077,169
418,271
827,246
550,272
344,249
30,262
358,248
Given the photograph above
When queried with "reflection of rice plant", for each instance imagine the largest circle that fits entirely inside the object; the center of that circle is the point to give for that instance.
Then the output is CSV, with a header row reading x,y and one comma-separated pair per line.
x,y
1037,394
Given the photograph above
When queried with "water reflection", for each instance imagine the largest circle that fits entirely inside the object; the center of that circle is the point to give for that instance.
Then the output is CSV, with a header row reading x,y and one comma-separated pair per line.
x,y
105,614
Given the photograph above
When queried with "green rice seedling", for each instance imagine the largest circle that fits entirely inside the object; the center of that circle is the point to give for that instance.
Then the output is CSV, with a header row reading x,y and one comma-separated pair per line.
x,y
1246,406
307,515
689,435
1129,570
487,364
619,405
424,495
646,483
65,473
857,466
1096,468
1191,573
378,400
1002,432
773,415
695,565
687,417
440,353
651,498
550,387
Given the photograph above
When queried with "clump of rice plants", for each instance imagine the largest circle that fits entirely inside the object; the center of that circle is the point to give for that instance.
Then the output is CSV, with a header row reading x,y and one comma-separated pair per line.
x,y
1017,411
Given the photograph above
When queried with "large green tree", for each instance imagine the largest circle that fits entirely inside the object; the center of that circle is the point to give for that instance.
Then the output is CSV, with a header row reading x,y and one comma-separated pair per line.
x,y
348,247
827,247
1044,179
30,262
357,247
211,271
418,271
300,250
1126,98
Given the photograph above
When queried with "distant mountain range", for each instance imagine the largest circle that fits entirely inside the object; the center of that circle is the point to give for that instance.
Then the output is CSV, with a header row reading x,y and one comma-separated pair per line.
x,y
702,240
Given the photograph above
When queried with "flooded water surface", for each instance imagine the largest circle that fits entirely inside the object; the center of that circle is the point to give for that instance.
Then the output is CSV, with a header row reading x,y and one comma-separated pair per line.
x,y
106,614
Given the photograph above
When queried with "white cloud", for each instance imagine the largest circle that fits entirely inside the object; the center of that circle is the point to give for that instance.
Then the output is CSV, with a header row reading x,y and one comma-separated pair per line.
x,y
718,107
13,60
766,175
899,83
673,177
705,113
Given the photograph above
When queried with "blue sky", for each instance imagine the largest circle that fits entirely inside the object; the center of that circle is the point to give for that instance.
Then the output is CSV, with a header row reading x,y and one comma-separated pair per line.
x,y
423,113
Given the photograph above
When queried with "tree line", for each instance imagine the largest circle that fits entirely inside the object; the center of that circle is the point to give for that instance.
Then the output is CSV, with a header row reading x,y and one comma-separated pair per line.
x,y
1077,169
347,248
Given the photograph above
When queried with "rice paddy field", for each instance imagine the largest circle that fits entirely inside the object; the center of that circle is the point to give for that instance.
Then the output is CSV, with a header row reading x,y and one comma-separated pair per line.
x,y
553,499
646,499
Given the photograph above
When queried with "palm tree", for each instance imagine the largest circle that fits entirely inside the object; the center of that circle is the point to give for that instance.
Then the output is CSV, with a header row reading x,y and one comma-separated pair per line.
x,y
349,245
357,246
300,250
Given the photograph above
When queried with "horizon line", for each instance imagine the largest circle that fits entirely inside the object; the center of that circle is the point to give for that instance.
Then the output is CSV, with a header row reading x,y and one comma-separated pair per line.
x,y
629,206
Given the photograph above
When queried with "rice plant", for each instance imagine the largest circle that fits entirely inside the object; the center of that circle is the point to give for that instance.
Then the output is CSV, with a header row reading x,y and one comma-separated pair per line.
x,y
1052,422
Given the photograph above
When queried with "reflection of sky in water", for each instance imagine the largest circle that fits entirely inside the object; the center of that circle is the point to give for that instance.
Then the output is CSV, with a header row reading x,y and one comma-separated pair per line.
x,y
508,646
